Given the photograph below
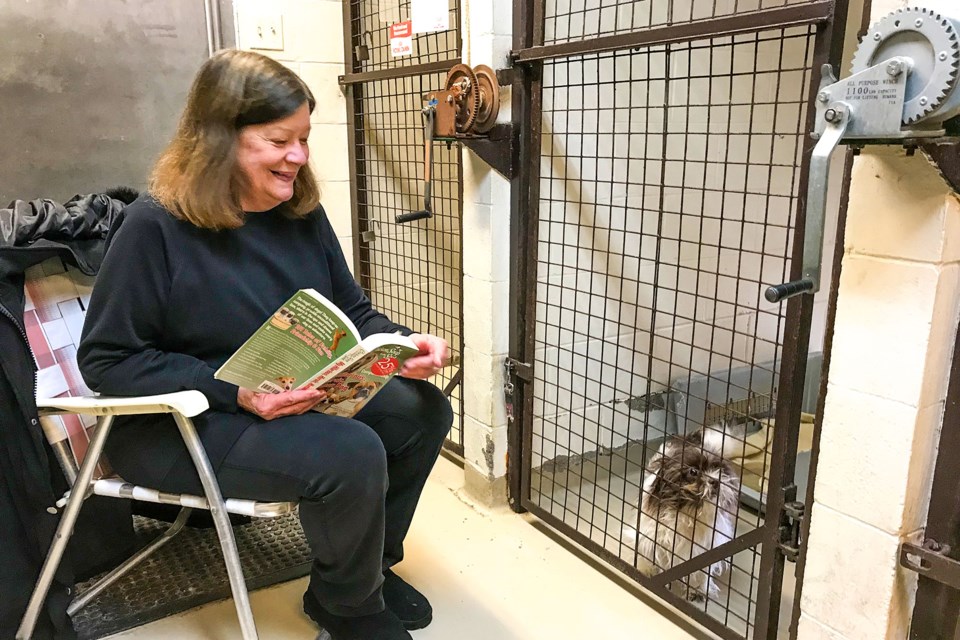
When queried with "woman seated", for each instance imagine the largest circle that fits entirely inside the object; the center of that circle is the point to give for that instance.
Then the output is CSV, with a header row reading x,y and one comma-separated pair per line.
x,y
230,228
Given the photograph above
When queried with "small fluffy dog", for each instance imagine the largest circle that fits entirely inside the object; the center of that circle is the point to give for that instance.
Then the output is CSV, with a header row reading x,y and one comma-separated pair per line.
x,y
688,507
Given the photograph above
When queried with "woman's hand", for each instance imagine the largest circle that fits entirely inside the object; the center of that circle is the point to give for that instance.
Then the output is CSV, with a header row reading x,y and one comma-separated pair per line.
x,y
434,355
277,405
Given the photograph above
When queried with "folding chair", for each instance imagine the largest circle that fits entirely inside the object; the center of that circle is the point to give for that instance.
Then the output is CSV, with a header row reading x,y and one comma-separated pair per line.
x,y
77,424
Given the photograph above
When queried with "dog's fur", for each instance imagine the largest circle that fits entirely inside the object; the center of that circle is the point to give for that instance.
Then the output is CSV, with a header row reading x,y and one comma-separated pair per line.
x,y
688,506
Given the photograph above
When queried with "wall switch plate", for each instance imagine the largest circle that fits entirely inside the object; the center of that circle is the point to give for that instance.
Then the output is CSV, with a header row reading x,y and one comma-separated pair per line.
x,y
265,31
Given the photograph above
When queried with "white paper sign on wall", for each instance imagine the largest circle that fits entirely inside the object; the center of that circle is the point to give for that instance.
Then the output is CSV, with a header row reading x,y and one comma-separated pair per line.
x,y
429,15
401,39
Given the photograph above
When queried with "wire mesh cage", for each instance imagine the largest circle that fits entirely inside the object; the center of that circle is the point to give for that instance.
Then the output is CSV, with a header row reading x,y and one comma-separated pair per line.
x,y
369,34
669,184
413,272
574,20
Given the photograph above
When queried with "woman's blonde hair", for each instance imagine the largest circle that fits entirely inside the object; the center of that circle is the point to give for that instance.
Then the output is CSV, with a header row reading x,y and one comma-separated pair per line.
x,y
196,177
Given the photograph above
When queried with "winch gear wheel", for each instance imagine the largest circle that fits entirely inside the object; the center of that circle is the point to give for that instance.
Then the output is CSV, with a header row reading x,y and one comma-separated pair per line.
x,y
470,104
936,69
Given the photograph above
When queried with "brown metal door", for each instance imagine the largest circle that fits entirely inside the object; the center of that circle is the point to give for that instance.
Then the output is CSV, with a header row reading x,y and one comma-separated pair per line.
x,y
663,155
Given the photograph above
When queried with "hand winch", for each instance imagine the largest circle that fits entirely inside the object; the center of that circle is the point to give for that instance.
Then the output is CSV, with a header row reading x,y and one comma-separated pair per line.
x,y
466,107
903,87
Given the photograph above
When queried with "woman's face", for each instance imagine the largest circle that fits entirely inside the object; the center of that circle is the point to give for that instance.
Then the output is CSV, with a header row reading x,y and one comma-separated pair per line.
x,y
269,156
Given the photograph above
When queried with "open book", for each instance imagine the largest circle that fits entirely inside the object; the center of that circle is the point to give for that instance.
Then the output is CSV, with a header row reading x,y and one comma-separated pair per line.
x,y
310,343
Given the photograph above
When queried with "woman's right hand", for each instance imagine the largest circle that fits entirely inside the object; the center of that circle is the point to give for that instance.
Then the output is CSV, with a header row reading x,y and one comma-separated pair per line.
x,y
277,405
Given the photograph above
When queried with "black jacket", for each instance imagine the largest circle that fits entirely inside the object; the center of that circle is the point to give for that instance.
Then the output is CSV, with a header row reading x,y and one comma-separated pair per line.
x,y
30,479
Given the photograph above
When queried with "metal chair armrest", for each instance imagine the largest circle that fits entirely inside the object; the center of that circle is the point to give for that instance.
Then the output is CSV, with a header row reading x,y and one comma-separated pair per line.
x,y
186,403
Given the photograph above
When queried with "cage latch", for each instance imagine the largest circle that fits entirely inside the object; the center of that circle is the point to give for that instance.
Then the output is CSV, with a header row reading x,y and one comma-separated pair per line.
x,y
513,370
522,370
790,521
931,561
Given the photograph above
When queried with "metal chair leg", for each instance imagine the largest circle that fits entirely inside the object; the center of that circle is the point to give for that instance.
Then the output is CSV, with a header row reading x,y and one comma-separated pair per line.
x,y
64,530
131,562
221,520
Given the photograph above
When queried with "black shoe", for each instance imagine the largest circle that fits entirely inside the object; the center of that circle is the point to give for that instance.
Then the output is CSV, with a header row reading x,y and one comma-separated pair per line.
x,y
407,603
376,626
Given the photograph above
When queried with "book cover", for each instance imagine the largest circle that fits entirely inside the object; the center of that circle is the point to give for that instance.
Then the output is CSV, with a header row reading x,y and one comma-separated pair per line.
x,y
310,343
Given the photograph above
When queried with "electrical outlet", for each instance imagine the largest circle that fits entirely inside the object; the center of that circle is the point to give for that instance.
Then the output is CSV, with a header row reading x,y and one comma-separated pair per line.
x,y
265,31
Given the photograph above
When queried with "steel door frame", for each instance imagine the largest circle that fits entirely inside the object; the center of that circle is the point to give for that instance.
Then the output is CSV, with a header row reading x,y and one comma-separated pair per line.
x,y
529,56
936,613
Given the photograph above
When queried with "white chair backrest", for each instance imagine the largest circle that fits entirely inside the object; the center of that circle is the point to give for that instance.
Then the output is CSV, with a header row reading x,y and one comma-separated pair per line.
x,y
57,296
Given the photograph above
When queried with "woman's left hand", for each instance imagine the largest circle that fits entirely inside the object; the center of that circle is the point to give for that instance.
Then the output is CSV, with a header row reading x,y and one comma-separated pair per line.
x,y
434,355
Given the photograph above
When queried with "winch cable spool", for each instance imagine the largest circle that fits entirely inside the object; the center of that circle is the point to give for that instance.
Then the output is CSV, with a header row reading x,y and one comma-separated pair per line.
x,y
488,90
474,96
903,86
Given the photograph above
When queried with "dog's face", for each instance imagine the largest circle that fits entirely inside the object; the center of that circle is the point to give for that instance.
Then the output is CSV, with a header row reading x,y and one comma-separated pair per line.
x,y
689,475
364,390
286,382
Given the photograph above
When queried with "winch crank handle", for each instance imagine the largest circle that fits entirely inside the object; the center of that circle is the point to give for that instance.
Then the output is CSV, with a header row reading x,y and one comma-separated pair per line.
x,y
816,214
428,114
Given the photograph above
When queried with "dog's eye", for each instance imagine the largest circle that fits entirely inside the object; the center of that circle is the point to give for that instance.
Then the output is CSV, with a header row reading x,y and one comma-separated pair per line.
x,y
693,473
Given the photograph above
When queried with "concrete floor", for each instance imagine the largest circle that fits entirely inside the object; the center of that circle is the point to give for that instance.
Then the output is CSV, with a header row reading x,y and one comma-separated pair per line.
x,y
490,576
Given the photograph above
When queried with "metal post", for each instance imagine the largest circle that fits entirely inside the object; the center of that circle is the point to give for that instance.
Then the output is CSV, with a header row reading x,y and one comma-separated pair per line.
x,y
218,511
211,13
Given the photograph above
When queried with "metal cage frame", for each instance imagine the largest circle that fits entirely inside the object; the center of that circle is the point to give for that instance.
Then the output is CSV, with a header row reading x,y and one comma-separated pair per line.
x,y
775,537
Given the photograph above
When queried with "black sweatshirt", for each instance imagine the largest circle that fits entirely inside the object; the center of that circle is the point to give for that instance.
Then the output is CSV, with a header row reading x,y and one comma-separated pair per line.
x,y
172,301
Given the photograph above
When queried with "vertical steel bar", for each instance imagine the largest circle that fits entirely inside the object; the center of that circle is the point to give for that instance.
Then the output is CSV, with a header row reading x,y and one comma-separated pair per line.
x,y
936,613
358,186
822,396
524,201
796,342
221,521
837,37
211,14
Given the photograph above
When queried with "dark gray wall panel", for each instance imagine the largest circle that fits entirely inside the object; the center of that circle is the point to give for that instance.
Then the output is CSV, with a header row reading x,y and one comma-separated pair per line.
x,y
90,90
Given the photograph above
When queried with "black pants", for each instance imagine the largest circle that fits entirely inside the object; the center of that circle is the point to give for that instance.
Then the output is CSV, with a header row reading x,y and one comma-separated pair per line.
x,y
357,480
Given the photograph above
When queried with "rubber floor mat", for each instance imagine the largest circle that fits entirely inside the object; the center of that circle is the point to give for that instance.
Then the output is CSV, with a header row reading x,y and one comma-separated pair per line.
x,y
189,572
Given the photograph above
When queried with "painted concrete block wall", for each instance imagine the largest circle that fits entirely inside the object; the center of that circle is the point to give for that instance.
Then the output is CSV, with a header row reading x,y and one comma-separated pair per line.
x,y
486,31
313,48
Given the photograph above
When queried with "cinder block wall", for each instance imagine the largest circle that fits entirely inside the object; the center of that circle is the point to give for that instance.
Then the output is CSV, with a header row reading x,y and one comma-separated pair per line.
x,y
896,319
486,29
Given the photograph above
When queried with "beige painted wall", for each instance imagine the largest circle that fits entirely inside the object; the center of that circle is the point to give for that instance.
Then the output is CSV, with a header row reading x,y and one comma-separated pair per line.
x,y
896,321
